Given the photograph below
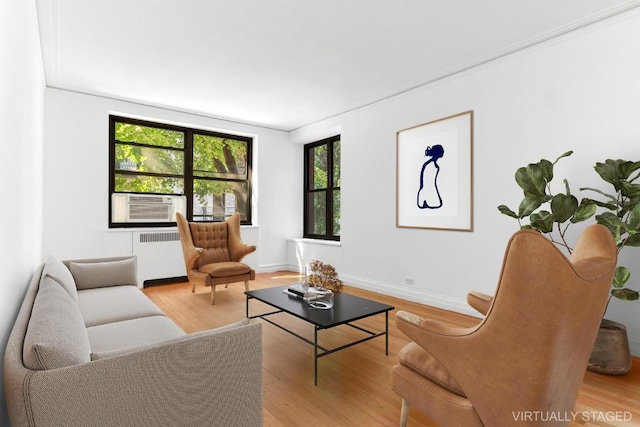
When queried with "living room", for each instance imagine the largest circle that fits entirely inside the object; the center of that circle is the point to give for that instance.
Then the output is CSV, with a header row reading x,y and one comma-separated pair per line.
x,y
577,91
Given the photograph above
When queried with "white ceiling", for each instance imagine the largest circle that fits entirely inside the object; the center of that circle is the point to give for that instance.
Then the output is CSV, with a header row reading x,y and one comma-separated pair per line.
x,y
287,63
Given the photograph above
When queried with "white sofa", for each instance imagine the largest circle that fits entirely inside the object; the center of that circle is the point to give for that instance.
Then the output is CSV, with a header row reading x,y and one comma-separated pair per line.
x,y
89,348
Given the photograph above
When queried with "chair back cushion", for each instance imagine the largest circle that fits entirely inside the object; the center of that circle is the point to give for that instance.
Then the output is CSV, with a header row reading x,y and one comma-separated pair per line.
x,y
213,238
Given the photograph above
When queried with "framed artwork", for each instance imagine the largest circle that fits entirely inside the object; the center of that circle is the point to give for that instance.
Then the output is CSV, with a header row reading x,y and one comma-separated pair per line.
x,y
434,174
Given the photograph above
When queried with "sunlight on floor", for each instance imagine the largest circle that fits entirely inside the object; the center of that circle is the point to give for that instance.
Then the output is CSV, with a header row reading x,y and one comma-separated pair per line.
x,y
288,276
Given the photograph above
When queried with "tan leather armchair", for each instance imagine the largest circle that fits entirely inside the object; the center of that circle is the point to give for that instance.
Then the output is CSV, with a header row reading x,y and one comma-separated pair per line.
x,y
526,359
213,251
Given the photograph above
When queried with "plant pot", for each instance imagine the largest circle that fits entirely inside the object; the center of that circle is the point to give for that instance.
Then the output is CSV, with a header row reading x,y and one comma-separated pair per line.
x,y
611,354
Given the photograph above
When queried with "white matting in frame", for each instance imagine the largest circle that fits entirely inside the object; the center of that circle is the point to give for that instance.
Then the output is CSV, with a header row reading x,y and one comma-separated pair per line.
x,y
434,174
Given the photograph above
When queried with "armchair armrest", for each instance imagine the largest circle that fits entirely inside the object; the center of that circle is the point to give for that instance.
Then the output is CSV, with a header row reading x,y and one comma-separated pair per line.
x,y
481,302
415,327
243,250
237,248
191,256
455,348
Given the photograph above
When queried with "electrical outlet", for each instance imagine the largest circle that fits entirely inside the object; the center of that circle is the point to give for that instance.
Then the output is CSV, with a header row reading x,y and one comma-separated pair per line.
x,y
408,280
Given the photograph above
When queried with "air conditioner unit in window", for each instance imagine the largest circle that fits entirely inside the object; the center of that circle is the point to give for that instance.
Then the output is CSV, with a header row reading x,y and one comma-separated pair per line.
x,y
146,207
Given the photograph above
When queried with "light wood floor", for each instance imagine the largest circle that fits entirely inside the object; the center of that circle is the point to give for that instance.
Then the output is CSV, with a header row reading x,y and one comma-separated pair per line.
x,y
354,385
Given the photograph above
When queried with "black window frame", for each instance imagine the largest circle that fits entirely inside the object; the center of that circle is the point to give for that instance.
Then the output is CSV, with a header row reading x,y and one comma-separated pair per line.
x,y
330,214
187,176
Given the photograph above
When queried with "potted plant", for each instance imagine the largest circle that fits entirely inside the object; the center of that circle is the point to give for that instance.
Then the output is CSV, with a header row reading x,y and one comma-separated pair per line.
x,y
552,214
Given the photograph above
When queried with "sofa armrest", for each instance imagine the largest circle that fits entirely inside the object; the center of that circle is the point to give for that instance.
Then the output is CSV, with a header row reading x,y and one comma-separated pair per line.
x,y
190,380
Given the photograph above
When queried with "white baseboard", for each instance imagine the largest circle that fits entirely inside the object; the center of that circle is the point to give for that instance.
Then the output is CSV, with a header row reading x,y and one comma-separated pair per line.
x,y
427,298
270,268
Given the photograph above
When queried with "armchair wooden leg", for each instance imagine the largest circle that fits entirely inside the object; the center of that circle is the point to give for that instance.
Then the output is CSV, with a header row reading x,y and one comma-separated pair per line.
x,y
213,294
246,285
404,414
193,287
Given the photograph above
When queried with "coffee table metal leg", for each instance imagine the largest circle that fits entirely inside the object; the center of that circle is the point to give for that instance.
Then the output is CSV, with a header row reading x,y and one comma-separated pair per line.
x,y
386,333
315,355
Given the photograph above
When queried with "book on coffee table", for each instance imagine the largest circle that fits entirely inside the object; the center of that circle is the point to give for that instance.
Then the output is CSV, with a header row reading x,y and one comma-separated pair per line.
x,y
309,294
297,289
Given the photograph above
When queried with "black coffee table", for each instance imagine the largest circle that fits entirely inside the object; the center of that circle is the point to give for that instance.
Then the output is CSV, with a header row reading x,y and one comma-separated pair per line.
x,y
346,309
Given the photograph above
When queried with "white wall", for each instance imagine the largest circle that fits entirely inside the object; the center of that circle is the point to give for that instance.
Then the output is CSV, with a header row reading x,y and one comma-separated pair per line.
x,y
580,92
76,172
21,105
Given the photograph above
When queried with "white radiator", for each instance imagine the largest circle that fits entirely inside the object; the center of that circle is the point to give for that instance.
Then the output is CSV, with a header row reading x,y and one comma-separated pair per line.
x,y
159,255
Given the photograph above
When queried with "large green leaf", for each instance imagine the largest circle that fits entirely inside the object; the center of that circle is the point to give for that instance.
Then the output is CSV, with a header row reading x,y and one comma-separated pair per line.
x,y
629,190
506,211
626,168
529,204
633,240
612,205
546,167
584,212
625,294
634,217
542,221
608,172
531,179
621,277
612,222
563,207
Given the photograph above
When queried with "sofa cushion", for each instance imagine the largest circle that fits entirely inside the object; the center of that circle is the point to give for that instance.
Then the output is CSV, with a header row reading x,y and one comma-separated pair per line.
x,y
56,336
106,273
128,334
114,304
59,272
193,336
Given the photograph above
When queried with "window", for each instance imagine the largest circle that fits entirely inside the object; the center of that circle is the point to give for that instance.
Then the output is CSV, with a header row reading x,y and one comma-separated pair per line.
x,y
158,169
322,189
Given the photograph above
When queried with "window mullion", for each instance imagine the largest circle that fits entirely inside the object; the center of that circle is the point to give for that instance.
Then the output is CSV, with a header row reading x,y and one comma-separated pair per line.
x,y
329,194
188,172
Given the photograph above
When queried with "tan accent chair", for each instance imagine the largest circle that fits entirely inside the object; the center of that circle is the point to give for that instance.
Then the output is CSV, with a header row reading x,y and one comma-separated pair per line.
x,y
213,251
528,355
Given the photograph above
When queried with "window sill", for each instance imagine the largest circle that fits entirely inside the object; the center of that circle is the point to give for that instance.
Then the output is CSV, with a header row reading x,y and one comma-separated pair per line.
x,y
316,241
161,229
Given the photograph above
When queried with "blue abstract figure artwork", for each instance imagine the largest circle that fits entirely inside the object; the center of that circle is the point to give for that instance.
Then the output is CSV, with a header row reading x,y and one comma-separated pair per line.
x,y
428,194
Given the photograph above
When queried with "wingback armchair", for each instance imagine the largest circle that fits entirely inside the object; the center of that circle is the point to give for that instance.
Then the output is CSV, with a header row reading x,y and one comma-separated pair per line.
x,y
213,252
529,353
